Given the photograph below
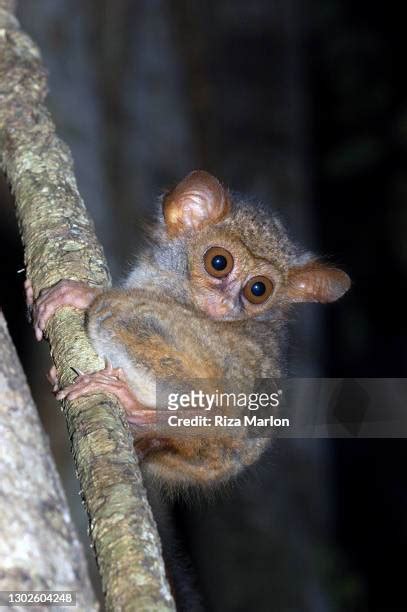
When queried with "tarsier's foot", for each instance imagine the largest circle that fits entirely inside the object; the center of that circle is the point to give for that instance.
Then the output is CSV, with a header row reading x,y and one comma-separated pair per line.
x,y
64,293
110,380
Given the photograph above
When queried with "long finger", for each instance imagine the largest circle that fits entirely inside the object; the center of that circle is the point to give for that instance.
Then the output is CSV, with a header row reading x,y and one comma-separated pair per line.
x,y
85,382
89,388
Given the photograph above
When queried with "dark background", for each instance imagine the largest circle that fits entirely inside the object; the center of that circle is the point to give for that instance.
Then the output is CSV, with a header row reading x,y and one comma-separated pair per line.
x,y
302,105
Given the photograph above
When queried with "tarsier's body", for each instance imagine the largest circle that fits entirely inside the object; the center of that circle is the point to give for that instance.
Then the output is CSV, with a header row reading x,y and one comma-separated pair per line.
x,y
207,300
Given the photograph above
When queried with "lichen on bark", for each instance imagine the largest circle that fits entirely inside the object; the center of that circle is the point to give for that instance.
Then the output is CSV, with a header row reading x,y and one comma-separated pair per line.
x,y
60,242
39,549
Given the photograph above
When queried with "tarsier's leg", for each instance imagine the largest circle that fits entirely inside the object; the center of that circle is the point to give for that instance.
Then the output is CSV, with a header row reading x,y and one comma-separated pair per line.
x,y
112,381
64,293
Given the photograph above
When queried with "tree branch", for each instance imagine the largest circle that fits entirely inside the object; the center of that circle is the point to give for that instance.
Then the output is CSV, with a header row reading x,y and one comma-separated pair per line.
x,y
39,549
60,242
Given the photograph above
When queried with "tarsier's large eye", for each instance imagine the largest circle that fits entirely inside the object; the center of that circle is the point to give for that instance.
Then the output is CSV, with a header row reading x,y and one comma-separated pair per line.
x,y
218,262
258,289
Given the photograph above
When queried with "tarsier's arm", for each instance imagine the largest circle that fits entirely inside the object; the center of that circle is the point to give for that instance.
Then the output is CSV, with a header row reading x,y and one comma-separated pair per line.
x,y
132,330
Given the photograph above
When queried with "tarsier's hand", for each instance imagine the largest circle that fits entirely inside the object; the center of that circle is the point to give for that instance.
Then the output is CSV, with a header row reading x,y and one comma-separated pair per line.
x,y
64,293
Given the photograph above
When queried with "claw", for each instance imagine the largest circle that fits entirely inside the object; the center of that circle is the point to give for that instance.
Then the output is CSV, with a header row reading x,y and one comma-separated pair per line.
x,y
77,371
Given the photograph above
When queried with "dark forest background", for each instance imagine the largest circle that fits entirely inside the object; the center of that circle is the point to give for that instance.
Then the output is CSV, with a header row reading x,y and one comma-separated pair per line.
x,y
303,105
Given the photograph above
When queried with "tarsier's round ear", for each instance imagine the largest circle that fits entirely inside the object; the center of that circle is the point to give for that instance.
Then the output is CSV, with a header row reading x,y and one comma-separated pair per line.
x,y
316,282
198,200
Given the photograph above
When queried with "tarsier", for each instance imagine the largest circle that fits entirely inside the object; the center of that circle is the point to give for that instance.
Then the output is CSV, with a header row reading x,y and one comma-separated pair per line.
x,y
207,299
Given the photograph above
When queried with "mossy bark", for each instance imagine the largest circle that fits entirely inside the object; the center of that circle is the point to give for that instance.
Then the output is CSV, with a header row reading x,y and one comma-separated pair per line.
x,y
60,242
39,549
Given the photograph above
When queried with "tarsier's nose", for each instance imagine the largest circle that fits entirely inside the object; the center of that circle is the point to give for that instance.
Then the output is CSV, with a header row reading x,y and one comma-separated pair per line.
x,y
220,307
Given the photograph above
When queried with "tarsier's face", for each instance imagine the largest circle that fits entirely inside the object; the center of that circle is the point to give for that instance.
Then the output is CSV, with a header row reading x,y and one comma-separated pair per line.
x,y
229,281
240,267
